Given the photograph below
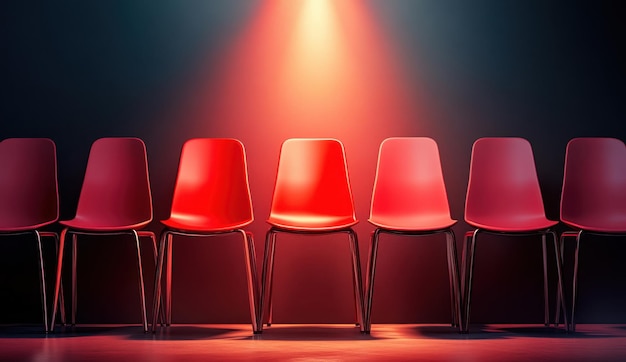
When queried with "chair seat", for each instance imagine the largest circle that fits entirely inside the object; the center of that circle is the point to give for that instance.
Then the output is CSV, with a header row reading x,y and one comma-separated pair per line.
x,y
18,228
96,225
308,222
198,223
518,224
614,225
413,222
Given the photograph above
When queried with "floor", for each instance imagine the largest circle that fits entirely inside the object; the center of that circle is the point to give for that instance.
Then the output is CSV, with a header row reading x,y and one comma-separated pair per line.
x,y
402,342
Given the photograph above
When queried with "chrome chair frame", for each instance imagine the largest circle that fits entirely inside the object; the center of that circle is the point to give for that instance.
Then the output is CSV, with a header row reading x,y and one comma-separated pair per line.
x,y
165,249
136,234
469,253
268,272
453,271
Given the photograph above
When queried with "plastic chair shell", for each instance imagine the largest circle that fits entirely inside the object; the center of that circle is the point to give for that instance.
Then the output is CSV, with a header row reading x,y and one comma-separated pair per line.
x,y
28,184
409,190
594,185
312,189
503,191
116,190
212,191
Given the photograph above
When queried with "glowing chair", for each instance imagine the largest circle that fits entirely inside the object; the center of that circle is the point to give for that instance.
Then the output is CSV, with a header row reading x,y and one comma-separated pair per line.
x,y
312,195
504,198
115,199
410,198
29,195
211,198
593,199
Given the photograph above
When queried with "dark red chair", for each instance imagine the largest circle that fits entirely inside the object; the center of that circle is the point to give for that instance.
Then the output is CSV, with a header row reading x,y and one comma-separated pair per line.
x,y
312,195
211,198
504,198
29,196
115,199
593,199
409,198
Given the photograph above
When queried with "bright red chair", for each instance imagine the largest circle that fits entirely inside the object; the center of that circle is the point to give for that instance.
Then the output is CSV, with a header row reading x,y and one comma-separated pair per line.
x,y
593,199
115,199
409,198
503,197
312,195
211,198
29,196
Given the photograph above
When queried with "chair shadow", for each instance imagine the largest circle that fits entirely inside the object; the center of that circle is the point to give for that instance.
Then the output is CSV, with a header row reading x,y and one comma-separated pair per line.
x,y
312,333
477,332
191,333
549,332
22,331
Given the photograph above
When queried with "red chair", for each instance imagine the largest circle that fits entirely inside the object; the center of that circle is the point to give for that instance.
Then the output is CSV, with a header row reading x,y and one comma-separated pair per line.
x,y
410,198
503,197
29,195
312,195
115,199
593,199
211,198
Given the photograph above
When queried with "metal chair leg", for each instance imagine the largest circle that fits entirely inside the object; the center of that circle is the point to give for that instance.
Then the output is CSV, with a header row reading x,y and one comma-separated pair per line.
x,y
575,279
57,284
142,290
157,282
61,296
168,282
469,274
371,273
559,266
546,301
251,278
356,259
42,282
266,277
74,261
456,288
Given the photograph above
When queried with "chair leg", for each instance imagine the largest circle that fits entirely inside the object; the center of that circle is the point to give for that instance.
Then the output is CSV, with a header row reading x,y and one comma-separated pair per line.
x,y
575,279
157,282
371,273
266,277
252,278
57,284
466,240
455,291
150,234
560,294
42,282
142,290
168,282
559,266
546,301
471,254
356,260
61,297
74,261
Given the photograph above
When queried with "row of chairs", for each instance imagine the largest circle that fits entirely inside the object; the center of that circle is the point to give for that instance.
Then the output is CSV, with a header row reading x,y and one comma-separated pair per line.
x,y
312,195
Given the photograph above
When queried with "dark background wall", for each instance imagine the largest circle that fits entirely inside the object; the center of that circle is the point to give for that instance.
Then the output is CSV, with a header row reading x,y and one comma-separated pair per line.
x,y
76,71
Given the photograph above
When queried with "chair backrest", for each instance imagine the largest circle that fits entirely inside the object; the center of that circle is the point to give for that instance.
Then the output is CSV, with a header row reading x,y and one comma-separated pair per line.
x,y
28,183
212,187
503,183
312,179
116,188
594,183
409,179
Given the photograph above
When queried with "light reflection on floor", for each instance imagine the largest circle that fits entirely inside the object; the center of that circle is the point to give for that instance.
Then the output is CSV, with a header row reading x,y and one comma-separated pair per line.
x,y
314,343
